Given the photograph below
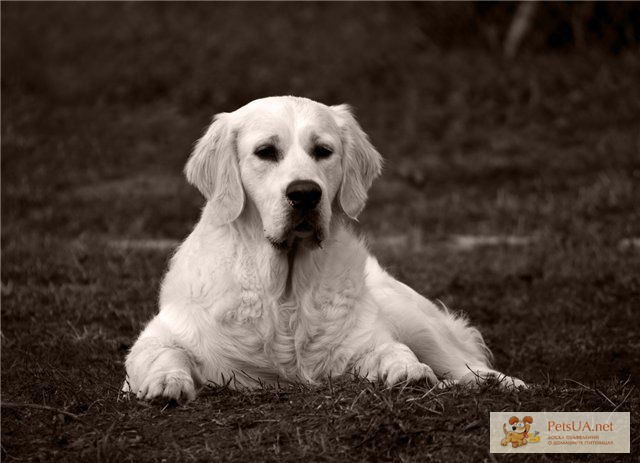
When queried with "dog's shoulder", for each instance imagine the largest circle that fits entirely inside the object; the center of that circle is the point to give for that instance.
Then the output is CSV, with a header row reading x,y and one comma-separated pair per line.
x,y
347,253
200,267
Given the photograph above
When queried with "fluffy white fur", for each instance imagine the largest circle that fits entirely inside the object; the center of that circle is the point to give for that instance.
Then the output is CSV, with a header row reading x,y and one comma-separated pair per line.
x,y
247,300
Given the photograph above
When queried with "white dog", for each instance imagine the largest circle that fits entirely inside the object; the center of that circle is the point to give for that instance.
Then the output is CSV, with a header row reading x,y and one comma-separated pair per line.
x,y
272,284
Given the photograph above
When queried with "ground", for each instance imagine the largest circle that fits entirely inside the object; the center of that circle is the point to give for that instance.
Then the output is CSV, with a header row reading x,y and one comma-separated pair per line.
x,y
510,192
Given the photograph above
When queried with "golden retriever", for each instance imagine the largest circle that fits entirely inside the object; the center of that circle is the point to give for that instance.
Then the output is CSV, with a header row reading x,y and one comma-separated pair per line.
x,y
273,285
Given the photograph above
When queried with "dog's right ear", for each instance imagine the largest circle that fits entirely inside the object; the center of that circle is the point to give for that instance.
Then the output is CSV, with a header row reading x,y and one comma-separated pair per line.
x,y
213,169
513,420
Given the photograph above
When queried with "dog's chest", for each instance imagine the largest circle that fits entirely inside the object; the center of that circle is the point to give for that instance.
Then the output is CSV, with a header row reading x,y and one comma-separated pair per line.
x,y
307,333
300,337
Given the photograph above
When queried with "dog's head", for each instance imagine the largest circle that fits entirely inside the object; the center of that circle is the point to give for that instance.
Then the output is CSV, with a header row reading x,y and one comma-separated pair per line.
x,y
293,161
520,427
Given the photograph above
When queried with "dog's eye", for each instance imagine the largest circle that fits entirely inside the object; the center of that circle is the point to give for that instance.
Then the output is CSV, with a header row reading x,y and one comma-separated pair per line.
x,y
267,152
320,151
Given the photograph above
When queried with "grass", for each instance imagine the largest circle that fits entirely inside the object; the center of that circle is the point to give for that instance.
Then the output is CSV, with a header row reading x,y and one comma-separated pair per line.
x,y
101,104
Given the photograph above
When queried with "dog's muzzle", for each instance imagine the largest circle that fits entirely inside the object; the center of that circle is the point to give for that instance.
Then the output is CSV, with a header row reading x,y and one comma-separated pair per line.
x,y
304,197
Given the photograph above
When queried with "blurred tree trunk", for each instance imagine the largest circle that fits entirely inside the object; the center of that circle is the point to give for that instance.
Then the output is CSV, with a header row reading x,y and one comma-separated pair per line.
x,y
519,26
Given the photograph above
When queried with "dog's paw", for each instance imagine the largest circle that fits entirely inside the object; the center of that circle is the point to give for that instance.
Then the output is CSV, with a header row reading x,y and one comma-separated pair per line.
x,y
508,382
447,383
168,385
410,373
477,378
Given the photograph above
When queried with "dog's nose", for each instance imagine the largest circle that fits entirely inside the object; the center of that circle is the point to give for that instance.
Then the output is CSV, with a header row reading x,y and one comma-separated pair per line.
x,y
304,195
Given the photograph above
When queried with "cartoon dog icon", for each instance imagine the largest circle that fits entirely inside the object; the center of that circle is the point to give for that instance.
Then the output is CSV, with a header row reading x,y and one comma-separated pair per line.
x,y
519,431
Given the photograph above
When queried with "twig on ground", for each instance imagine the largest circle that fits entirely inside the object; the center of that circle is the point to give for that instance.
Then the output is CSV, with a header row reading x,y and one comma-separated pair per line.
x,y
600,393
15,406
625,398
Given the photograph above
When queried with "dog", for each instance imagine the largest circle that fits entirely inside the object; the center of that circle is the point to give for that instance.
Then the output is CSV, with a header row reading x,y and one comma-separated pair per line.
x,y
274,286
519,431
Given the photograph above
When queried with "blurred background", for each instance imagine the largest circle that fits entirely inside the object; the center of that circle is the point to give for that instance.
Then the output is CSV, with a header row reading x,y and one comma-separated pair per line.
x,y
125,88
510,132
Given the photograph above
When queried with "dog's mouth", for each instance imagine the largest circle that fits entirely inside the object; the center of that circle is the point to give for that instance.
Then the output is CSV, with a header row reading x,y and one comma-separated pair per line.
x,y
304,224
304,229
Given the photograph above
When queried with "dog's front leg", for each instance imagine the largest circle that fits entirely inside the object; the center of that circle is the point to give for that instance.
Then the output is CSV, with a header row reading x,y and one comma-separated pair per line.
x,y
159,368
393,363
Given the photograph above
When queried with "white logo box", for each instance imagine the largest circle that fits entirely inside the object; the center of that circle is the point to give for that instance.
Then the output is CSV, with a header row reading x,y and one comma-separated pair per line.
x,y
559,432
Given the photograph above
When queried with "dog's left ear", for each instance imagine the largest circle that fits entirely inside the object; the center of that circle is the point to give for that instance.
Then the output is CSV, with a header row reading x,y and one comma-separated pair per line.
x,y
527,419
361,163
213,169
